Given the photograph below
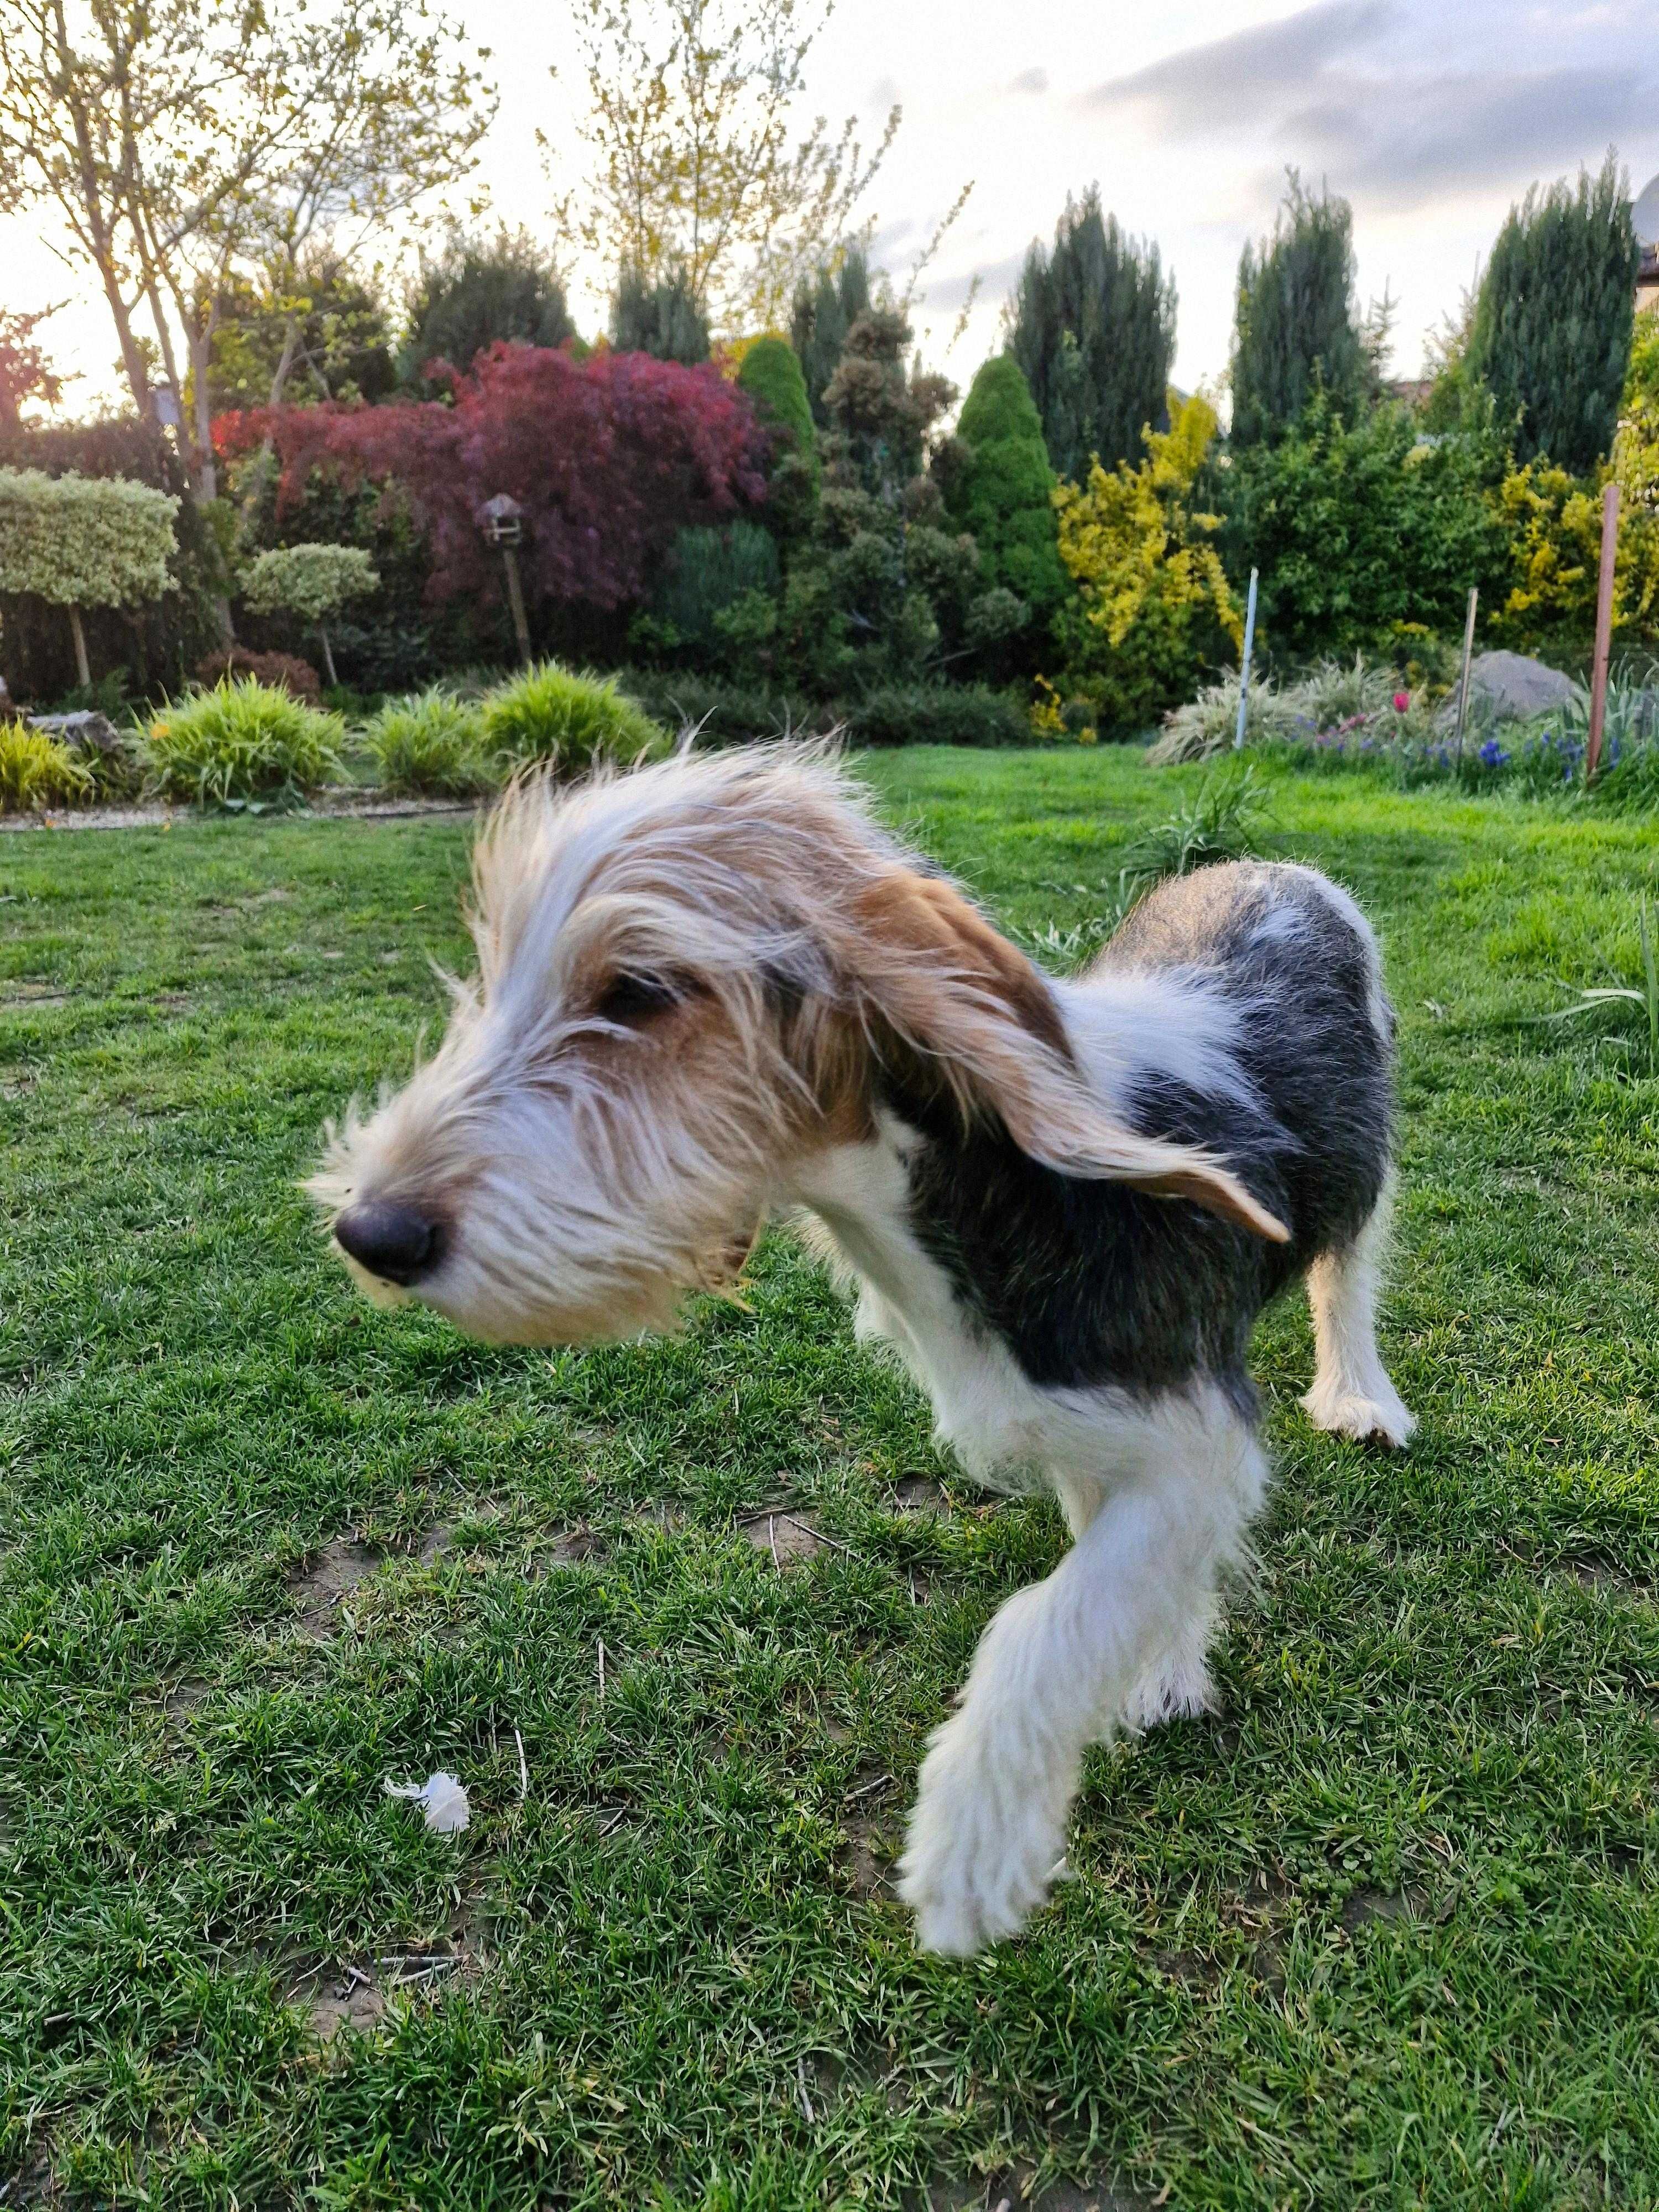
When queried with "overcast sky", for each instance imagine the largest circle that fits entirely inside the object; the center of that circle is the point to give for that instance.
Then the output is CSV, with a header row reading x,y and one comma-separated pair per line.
x,y
1431,116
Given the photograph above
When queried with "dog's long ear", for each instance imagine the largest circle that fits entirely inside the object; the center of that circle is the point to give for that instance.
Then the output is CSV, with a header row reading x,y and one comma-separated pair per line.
x,y
948,985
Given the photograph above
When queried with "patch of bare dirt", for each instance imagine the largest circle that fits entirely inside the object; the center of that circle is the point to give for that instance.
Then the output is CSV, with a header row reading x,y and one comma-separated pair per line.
x,y
352,2000
867,1856
1366,1905
333,1573
918,1494
32,995
784,1534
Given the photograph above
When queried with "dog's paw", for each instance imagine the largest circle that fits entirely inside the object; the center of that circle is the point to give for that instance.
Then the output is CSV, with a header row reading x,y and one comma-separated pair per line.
x,y
1178,1689
1377,1417
983,1848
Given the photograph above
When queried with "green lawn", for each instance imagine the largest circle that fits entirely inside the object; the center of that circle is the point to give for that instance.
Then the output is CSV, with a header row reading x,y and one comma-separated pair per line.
x,y
1385,1932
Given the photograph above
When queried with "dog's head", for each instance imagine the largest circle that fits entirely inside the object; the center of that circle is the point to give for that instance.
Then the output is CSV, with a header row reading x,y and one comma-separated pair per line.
x,y
690,977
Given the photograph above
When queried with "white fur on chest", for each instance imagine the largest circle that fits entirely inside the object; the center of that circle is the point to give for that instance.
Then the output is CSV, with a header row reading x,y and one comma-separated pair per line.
x,y
1005,1429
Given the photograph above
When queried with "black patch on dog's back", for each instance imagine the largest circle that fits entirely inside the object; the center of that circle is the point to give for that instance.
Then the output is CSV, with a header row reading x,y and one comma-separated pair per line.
x,y
1092,1282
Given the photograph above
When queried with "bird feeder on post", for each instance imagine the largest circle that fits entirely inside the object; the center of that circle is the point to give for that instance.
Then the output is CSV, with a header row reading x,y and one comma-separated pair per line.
x,y
503,525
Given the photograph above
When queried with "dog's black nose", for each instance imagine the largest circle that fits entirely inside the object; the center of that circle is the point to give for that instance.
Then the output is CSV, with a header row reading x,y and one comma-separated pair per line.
x,y
392,1241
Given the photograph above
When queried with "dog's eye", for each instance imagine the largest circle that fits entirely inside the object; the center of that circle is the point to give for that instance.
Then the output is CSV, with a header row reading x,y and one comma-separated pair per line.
x,y
635,998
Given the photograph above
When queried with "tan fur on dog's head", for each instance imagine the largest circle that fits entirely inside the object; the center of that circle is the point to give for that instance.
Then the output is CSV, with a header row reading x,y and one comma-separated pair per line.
x,y
689,976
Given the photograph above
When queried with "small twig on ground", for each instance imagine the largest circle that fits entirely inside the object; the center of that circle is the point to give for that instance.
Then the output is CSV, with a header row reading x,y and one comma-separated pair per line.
x,y
772,1538
834,1542
615,1820
524,1771
864,1787
805,2101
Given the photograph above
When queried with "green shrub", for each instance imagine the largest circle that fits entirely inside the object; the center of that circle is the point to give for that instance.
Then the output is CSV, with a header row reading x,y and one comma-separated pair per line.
x,y
707,572
938,714
243,740
565,718
428,743
310,581
771,375
38,770
1001,494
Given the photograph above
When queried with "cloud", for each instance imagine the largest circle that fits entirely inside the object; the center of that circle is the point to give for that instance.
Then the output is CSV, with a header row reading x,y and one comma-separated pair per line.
x,y
996,280
1368,113
1398,143
1215,85
1031,80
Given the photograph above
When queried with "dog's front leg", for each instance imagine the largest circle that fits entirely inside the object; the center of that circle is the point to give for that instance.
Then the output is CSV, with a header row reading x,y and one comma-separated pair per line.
x,y
1058,1669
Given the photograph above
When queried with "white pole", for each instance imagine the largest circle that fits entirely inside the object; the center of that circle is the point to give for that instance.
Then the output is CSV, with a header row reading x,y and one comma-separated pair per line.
x,y
1244,667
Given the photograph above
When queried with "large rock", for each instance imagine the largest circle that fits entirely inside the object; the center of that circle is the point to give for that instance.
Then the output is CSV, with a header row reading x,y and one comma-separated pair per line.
x,y
1513,687
85,733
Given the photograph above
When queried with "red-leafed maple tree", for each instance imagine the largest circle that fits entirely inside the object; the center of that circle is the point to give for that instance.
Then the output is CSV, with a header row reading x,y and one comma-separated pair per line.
x,y
608,458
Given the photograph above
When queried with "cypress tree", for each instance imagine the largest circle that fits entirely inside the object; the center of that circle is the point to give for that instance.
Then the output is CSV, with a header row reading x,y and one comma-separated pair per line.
x,y
1297,326
1092,329
1000,492
1551,331
771,374
825,309
662,319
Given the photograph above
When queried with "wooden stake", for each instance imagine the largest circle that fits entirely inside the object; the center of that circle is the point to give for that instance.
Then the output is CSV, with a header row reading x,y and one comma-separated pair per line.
x,y
1245,664
83,665
515,600
1604,629
1463,679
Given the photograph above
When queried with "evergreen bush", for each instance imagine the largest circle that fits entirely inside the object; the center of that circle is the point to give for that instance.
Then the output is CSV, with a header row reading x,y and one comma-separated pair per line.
x,y
1002,493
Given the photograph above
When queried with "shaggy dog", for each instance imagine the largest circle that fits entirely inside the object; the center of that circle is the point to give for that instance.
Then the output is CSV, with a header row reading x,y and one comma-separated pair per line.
x,y
714,989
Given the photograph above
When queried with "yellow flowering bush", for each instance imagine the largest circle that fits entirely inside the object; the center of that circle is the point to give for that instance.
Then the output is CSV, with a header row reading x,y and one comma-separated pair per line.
x,y
1554,523
1152,605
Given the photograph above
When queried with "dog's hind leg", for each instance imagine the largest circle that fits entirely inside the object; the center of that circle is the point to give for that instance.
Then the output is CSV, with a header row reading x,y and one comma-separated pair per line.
x,y
1065,1661
1351,1394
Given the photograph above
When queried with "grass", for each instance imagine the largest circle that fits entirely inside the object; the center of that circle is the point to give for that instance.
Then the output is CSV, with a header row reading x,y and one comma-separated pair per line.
x,y
1384,1933
242,739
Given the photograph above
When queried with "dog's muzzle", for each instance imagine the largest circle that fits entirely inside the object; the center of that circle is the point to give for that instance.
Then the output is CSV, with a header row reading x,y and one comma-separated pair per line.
x,y
396,1242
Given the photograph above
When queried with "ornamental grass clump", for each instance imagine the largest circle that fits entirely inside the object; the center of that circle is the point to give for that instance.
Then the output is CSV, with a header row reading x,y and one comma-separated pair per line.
x,y
559,718
428,744
240,741
1208,725
39,770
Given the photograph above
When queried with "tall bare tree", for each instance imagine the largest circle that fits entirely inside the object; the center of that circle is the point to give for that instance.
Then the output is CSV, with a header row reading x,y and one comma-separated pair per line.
x,y
699,159
182,139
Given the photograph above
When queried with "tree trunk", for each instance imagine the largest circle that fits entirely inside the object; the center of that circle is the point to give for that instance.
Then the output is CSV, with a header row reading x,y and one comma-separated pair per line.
x,y
328,658
83,665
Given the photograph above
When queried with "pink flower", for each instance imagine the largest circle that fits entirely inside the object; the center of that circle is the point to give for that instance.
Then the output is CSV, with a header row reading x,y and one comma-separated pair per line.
x,y
1402,700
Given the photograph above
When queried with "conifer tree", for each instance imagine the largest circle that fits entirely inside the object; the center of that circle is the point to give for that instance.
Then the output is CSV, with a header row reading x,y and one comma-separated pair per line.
x,y
826,307
1092,328
1001,491
662,319
1297,328
1551,329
